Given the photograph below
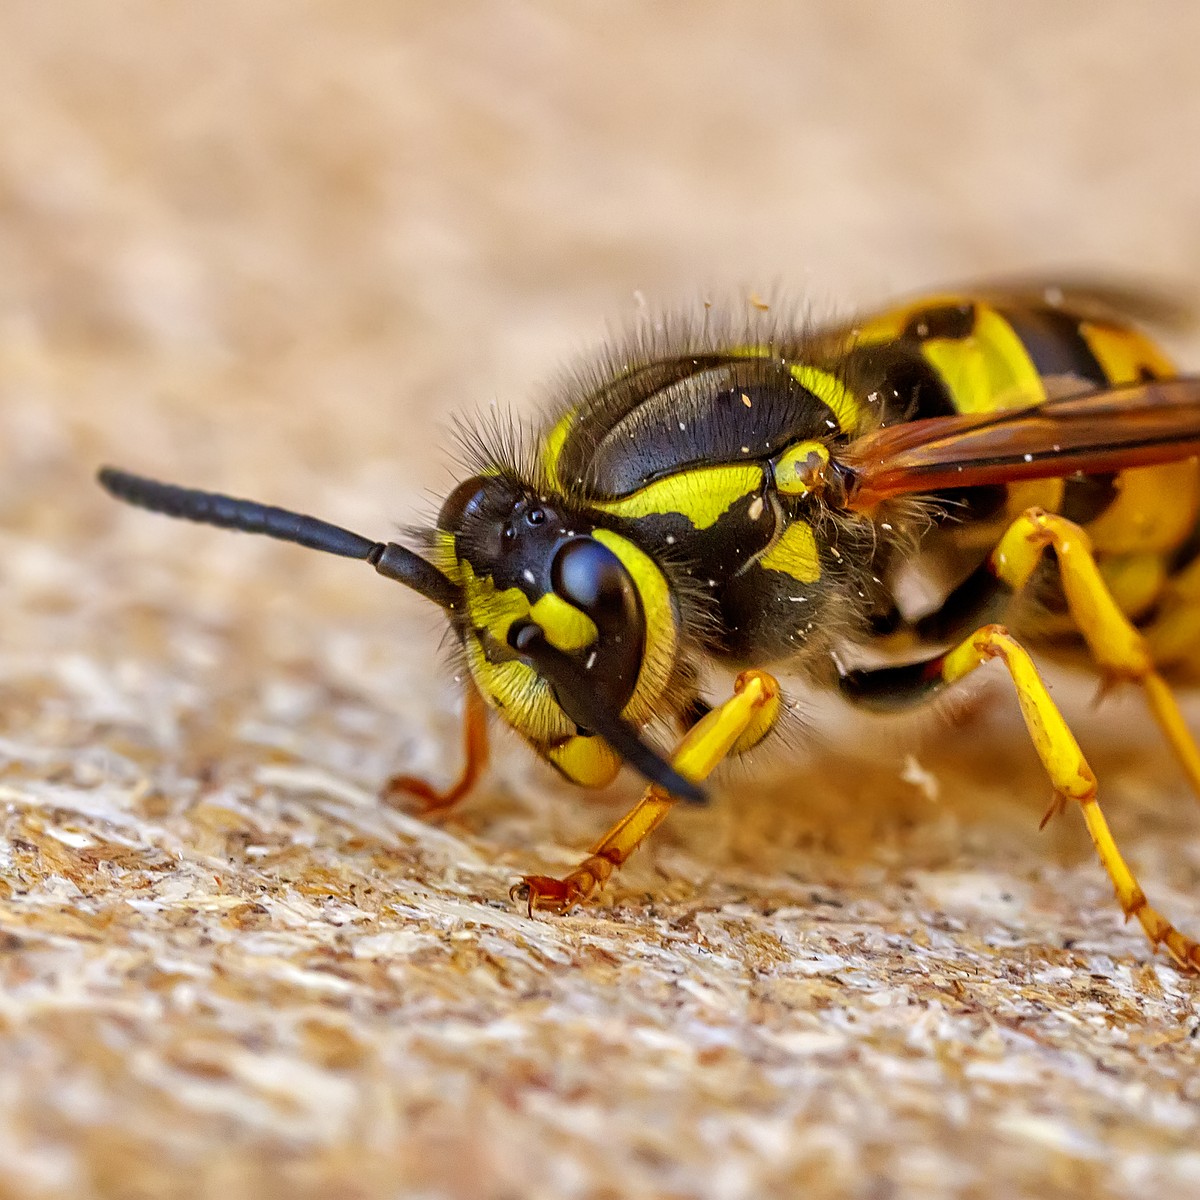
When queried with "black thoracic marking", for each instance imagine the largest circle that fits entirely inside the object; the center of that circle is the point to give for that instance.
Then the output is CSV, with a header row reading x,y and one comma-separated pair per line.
x,y
1086,497
955,321
739,410
1055,344
709,557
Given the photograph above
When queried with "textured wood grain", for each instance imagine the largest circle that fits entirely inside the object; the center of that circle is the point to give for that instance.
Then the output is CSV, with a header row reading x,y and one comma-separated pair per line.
x,y
272,248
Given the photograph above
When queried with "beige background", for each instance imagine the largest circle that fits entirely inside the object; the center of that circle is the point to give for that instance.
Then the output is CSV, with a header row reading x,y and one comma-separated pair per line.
x,y
273,247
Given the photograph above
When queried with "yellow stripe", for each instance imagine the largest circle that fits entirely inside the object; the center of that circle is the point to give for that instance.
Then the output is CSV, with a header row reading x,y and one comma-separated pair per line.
x,y
565,626
552,449
702,494
1123,353
795,553
832,392
587,761
989,370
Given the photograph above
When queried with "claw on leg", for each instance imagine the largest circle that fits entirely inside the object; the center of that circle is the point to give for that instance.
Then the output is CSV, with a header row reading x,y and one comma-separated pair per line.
x,y
1070,774
755,701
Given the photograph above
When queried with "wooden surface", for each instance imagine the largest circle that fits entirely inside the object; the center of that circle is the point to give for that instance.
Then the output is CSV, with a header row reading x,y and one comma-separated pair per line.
x,y
272,248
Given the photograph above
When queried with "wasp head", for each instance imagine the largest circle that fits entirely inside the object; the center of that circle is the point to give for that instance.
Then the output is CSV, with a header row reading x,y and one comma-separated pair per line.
x,y
563,622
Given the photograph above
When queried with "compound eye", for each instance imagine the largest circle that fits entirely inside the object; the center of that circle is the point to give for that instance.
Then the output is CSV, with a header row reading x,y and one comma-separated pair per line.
x,y
462,504
587,574
592,578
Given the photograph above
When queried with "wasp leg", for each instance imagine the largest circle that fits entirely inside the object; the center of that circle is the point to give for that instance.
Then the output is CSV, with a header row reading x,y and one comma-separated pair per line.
x,y
1117,646
748,713
407,791
1070,774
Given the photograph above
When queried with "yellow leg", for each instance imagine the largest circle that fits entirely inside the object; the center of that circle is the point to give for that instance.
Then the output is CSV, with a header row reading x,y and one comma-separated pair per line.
x,y
407,791
1119,649
1070,774
754,702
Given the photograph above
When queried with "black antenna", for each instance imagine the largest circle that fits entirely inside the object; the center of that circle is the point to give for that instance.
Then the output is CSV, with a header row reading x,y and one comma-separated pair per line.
x,y
226,512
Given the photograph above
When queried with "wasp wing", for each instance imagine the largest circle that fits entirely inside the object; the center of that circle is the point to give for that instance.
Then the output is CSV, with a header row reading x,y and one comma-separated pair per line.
x,y
1140,425
1095,297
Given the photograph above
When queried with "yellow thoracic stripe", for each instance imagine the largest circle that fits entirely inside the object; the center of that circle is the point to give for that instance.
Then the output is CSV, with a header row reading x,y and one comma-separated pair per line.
x,y
702,494
552,446
795,553
832,392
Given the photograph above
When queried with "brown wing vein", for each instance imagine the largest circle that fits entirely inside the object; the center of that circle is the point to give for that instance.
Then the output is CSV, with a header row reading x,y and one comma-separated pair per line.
x,y
1140,425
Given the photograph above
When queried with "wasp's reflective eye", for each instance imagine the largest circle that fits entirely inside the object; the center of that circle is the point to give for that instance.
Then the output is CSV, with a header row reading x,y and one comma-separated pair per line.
x,y
536,516
508,535
591,577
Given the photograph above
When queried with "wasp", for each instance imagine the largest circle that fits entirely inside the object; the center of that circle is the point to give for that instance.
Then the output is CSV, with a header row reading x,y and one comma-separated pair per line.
x,y
753,500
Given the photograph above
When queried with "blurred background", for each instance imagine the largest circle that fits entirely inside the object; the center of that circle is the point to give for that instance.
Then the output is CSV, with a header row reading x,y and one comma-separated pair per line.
x,y
272,248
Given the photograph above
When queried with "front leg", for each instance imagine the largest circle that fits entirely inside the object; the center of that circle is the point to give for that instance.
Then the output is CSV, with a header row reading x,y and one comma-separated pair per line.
x,y
746,715
410,793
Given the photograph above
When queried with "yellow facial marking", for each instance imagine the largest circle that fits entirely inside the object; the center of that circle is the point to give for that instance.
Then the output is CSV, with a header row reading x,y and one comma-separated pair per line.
x,y
795,554
565,626
703,495
489,609
585,760
832,392
800,467
516,691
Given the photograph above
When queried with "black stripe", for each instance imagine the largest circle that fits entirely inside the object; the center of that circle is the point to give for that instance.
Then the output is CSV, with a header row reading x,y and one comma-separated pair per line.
x,y
889,689
1055,344
955,322
1087,497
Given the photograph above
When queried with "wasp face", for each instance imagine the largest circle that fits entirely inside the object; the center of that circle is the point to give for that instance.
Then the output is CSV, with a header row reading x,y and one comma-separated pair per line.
x,y
554,623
